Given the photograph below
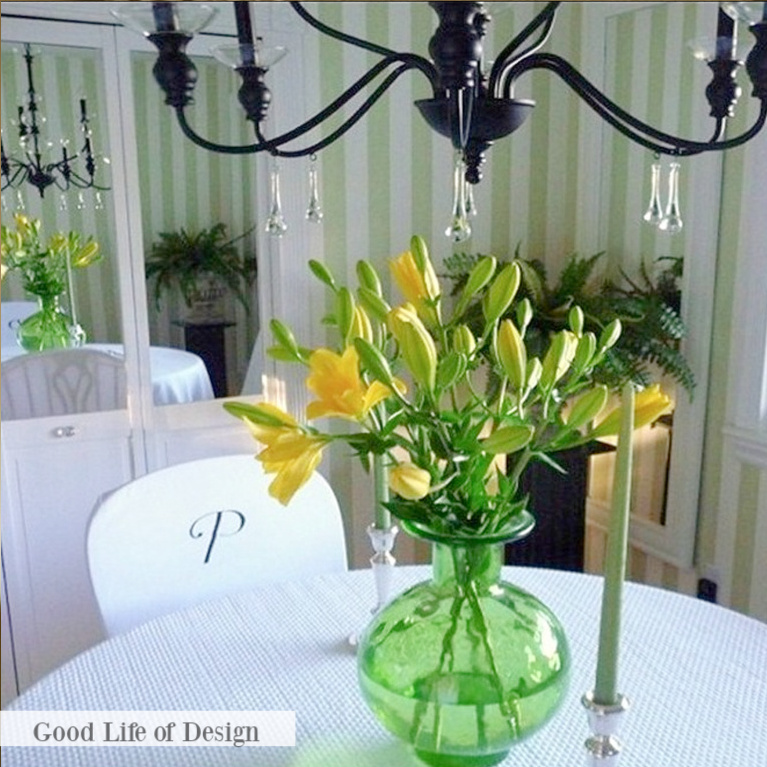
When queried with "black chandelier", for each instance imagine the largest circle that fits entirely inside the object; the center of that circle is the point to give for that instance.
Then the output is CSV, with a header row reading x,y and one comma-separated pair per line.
x,y
470,106
33,168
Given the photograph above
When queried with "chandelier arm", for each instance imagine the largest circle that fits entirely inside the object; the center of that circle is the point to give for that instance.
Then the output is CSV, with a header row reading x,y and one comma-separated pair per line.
x,y
271,145
313,122
641,131
546,16
422,63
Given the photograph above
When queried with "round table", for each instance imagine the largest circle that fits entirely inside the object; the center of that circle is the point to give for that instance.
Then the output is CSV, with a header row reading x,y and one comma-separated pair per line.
x,y
178,376
696,675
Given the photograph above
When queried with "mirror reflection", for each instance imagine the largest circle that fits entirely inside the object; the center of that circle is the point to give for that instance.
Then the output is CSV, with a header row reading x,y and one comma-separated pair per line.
x,y
198,211
61,283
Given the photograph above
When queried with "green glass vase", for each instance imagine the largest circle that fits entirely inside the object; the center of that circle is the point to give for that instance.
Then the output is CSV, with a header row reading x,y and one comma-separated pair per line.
x,y
49,328
465,665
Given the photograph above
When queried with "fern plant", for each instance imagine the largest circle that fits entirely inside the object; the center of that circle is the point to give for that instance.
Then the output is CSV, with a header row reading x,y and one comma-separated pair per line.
x,y
182,257
647,308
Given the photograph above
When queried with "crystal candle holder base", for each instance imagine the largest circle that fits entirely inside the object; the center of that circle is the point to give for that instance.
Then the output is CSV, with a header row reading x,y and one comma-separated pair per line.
x,y
603,749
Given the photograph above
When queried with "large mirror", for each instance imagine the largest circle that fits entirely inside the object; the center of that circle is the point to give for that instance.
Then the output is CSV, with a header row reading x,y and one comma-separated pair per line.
x,y
69,87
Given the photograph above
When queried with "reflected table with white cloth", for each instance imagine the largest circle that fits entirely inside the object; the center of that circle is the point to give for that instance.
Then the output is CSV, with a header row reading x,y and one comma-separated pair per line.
x,y
178,376
696,675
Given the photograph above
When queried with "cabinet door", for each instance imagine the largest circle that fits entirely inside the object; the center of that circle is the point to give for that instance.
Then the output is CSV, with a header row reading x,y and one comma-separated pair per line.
x,y
54,472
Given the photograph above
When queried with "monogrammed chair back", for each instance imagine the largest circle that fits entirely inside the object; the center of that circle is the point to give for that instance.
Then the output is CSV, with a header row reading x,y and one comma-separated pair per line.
x,y
203,529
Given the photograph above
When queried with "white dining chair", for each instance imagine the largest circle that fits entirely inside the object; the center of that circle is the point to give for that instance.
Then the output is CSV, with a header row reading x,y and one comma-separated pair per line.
x,y
62,382
11,314
203,529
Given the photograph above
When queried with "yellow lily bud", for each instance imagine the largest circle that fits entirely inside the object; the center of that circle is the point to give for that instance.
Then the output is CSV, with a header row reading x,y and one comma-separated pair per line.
x,y
409,481
419,286
501,292
361,327
649,405
587,407
558,358
512,354
508,439
464,341
22,224
418,348
87,255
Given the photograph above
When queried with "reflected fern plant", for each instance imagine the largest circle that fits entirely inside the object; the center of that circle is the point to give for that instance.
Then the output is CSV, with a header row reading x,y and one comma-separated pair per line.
x,y
408,375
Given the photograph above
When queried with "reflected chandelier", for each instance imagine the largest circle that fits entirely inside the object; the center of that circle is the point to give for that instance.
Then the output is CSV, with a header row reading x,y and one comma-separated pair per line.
x,y
470,106
34,168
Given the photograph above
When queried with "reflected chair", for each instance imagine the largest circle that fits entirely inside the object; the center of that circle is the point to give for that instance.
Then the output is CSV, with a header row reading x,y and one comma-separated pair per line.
x,y
62,382
203,529
11,314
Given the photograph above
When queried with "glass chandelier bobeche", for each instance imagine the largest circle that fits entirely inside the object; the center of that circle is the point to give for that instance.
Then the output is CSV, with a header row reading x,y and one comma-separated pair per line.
x,y
470,106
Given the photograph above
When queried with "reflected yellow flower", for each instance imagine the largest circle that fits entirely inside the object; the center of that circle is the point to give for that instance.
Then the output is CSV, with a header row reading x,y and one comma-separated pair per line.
x,y
649,405
409,481
335,380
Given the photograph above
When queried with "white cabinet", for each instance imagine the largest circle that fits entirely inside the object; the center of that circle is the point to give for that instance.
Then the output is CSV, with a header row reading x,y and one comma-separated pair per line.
x,y
51,485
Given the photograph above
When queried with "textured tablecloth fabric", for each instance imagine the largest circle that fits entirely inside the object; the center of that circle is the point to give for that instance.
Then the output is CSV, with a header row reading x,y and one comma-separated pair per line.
x,y
696,675
178,376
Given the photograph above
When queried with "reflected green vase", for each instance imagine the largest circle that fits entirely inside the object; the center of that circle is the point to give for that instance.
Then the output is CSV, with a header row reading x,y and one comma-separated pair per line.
x,y
465,665
49,328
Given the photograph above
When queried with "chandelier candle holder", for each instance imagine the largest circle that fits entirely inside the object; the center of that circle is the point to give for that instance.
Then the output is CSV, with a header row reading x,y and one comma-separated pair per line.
x,y
33,169
470,106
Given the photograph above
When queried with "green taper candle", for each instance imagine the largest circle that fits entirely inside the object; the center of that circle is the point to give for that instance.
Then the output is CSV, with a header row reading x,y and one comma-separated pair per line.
x,y
606,688
381,482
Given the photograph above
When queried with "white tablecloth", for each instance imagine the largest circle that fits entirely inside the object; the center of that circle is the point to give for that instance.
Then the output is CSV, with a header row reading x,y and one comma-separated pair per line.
x,y
696,675
178,376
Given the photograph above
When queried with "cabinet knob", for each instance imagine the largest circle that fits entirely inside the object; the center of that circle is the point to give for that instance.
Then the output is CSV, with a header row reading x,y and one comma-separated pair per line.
x,y
64,431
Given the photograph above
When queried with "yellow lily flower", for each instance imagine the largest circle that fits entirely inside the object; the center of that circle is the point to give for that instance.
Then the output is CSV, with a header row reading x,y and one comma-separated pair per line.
x,y
649,405
293,456
409,481
340,390
419,288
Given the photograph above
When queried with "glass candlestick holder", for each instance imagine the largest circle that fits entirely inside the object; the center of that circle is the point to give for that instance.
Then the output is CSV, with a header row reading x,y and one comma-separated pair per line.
x,y
603,749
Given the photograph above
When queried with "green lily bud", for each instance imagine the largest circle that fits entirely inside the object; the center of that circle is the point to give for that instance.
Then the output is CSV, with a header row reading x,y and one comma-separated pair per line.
x,y
524,315
479,276
322,273
584,353
450,368
417,345
345,312
501,292
558,358
283,335
264,415
512,354
464,341
368,277
374,362
373,304
508,439
420,251
533,373
610,335
588,406
575,320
